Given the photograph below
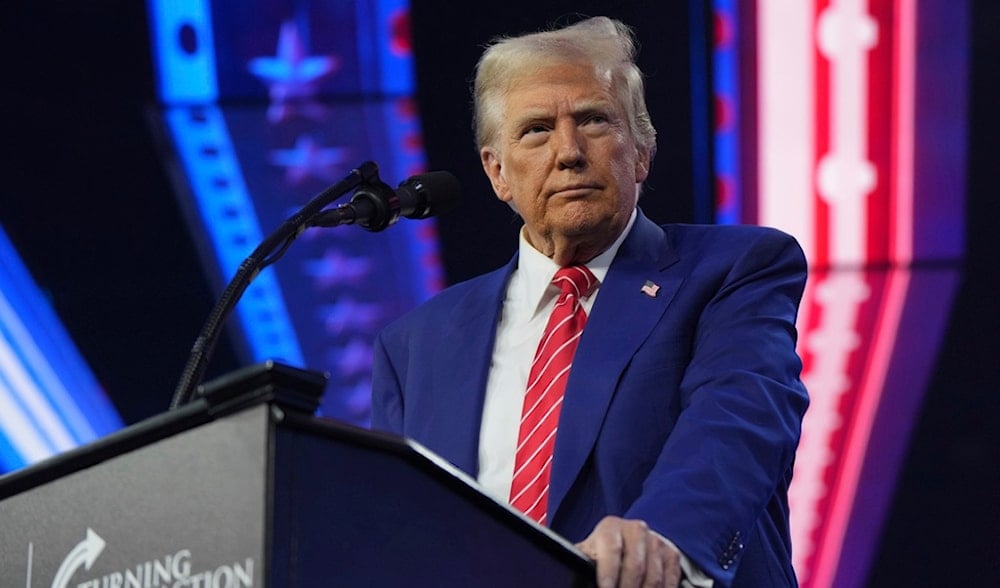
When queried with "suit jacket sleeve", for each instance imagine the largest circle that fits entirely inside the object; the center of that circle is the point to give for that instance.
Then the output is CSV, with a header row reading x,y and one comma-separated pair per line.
x,y
720,482
387,396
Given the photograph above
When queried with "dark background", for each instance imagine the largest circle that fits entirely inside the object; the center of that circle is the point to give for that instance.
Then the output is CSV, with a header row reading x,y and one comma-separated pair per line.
x,y
88,205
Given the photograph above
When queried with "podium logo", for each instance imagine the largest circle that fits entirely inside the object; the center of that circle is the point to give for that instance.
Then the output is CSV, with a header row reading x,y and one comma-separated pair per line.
x,y
174,570
84,554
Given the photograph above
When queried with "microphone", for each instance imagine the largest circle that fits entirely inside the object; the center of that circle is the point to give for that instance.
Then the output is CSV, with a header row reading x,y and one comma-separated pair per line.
x,y
375,206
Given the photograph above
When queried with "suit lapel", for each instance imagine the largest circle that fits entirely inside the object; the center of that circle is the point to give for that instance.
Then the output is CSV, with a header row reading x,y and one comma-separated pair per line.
x,y
460,379
621,319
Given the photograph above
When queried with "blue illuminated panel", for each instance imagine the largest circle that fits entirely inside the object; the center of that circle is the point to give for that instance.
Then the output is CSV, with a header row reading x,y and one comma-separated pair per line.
x,y
219,192
300,93
182,40
49,399
726,79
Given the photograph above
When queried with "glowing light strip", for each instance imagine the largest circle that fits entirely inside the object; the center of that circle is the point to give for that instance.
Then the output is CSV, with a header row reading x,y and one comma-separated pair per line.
x,y
786,123
230,219
37,357
49,400
186,75
725,78
889,315
17,376
16,424
21,443
856,445
395,70
846,176
904,121
392,75
831,345
786,156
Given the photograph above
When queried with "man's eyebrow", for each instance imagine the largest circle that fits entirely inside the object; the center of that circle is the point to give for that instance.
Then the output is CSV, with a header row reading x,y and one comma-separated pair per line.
x,y
531,114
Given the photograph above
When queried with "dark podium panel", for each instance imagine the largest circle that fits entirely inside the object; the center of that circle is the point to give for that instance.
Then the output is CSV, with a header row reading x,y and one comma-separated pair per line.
x,y
245,488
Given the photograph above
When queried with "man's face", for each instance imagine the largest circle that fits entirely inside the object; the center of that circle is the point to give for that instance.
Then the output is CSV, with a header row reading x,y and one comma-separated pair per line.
x,y
565,159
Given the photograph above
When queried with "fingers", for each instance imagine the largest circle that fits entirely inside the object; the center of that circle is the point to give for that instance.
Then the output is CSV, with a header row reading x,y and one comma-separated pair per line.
x,y
668,564
605,545
630,555
636,554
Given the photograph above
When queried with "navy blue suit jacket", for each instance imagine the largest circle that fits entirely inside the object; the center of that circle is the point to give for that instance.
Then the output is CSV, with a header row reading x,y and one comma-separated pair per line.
x,y
682,409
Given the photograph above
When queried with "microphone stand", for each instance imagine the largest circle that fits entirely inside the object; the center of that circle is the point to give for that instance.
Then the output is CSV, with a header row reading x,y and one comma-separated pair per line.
x,y
269,251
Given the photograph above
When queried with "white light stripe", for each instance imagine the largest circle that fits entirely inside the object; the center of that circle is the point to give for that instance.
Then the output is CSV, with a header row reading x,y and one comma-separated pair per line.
x,y
846,175
22,384
16,427
73,424
786,118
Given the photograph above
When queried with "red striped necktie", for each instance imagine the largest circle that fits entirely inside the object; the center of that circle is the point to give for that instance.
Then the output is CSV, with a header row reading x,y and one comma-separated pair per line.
x,y
529,490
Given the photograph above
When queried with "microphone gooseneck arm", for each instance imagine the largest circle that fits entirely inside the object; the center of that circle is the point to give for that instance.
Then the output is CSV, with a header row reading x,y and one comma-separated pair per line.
x,y
269,251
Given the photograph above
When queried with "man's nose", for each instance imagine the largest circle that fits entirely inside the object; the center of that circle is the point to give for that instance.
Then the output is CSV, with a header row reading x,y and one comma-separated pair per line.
x,y
570,147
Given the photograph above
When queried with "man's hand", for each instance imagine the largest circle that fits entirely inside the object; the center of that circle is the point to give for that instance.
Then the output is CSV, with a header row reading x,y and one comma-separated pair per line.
x,y
628,553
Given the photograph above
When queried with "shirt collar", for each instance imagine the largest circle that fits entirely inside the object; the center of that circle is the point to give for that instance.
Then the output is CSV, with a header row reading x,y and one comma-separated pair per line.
x,y
536,270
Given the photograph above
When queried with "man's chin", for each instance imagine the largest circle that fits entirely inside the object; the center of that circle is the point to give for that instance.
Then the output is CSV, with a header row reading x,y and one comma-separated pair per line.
x,y
585,220
595,232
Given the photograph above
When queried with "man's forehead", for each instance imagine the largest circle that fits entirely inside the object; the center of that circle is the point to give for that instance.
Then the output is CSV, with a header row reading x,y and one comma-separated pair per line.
x,y
547,90
559,72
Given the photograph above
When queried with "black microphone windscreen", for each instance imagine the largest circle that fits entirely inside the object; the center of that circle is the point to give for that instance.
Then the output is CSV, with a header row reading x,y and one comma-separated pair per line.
x,y
428,194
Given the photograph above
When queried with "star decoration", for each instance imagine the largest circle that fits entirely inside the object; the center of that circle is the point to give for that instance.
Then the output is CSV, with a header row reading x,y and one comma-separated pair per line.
x,y
348,315
335,269
309,159
291,74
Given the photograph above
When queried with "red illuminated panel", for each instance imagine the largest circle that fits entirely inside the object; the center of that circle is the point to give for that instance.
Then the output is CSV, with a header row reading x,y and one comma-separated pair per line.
x,y
837,140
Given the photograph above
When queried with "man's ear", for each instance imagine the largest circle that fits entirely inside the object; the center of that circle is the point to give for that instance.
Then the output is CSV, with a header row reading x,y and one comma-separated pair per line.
x,y
642,161
494,171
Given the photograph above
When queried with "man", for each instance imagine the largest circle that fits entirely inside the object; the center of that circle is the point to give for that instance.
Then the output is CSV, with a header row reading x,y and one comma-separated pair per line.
x,y
679,418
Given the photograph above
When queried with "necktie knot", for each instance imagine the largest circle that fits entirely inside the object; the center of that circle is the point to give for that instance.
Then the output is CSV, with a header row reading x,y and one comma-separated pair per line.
x,y
576,280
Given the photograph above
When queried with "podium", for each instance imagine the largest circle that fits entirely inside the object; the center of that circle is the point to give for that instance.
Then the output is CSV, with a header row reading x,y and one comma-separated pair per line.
x,y
245,487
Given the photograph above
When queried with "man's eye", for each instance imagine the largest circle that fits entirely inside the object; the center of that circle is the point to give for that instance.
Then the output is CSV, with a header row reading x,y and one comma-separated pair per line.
x,y
534,129
597,119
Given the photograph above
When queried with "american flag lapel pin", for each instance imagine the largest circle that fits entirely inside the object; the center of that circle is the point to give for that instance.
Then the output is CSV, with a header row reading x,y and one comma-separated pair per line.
x,y
650,289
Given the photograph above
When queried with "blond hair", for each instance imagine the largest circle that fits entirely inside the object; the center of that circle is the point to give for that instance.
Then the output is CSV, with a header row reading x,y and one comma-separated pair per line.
x,y
604,42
